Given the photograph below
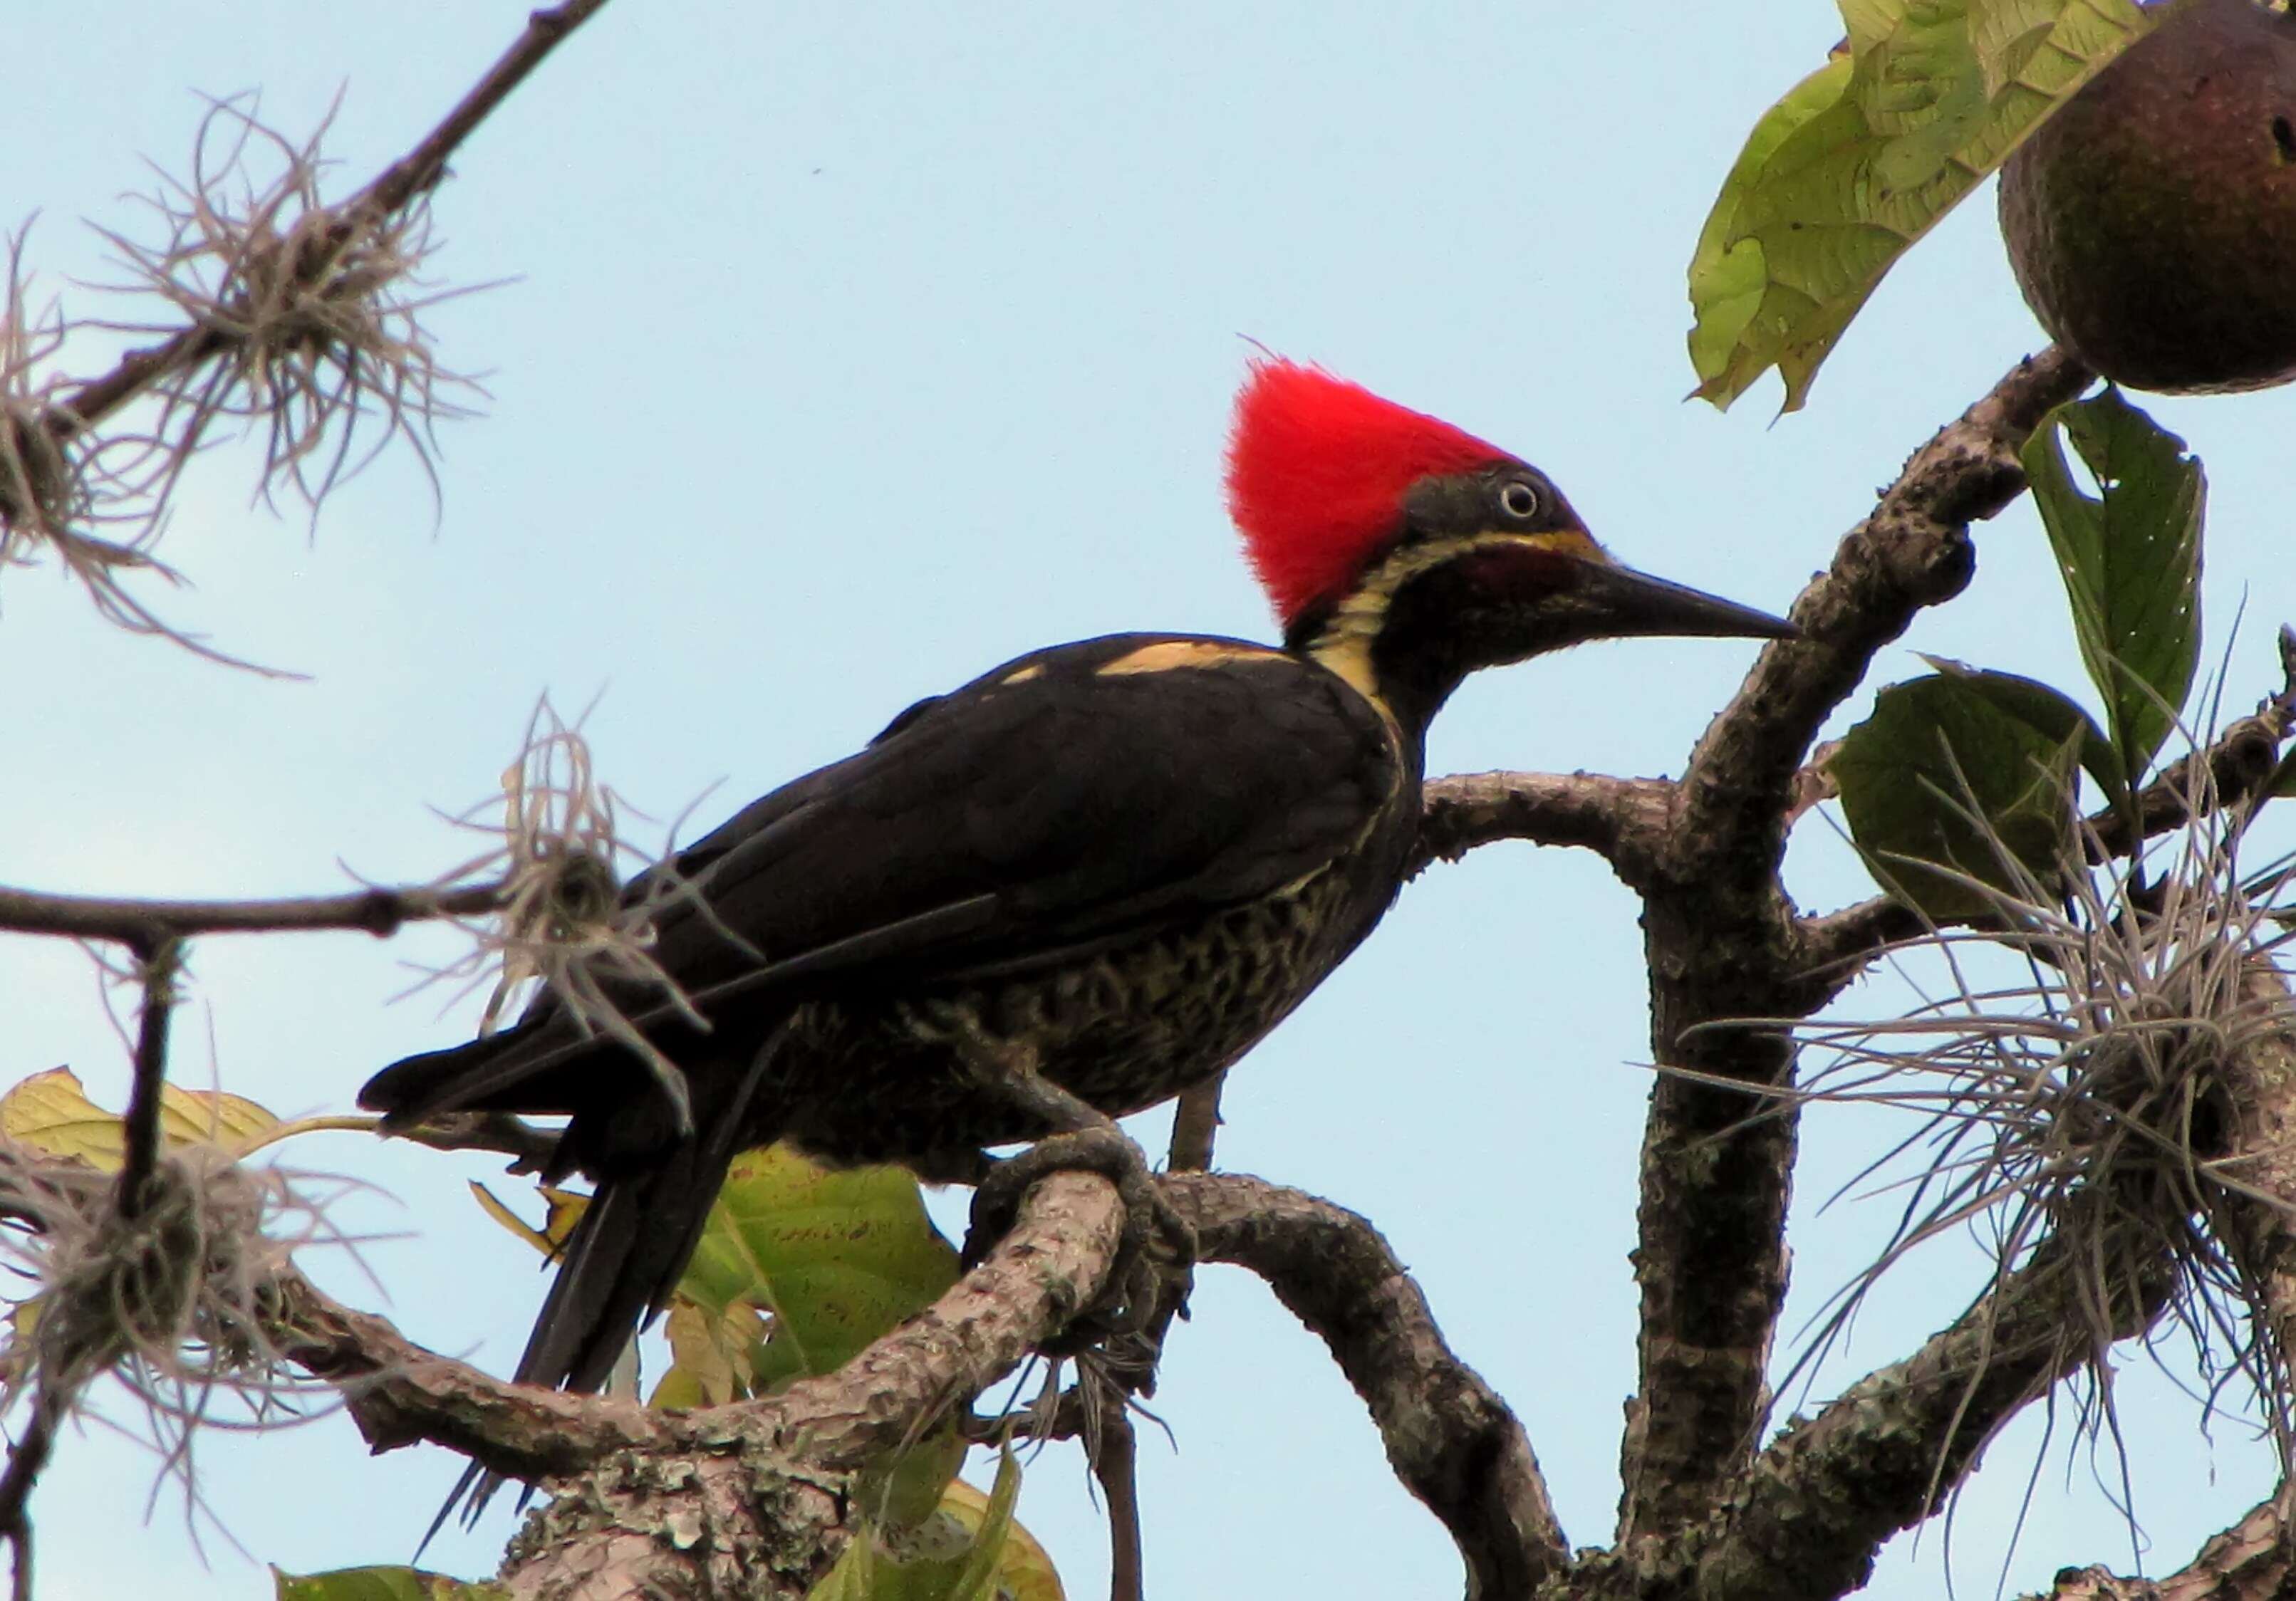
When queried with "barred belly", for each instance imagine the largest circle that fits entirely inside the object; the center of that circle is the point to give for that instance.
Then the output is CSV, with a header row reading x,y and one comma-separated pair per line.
x,y
1123,1029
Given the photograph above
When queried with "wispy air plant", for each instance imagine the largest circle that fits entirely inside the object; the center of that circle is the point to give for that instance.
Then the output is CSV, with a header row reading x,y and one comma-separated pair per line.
x,y
43,494
276,312
313,313
566,917
171,1301
2075,1118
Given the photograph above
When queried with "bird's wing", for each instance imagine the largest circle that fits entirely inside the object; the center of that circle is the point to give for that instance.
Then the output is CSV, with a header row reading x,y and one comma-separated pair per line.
x,y
1073,799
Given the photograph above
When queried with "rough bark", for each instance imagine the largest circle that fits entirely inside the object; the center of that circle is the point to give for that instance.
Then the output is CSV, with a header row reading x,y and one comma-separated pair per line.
x,y
1719,938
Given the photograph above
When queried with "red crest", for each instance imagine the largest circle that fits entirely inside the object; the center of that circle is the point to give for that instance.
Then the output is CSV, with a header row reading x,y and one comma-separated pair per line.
x,y
1318,468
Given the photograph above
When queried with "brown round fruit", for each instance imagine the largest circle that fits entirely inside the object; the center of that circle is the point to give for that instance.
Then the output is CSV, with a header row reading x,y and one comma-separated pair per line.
x,y
2152,221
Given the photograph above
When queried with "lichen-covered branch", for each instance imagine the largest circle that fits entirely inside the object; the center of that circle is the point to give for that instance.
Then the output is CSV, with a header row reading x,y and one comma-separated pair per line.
x,y
1448,1436
1720,941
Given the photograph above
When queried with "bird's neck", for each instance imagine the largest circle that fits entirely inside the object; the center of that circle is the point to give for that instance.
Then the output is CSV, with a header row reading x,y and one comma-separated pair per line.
x,y
1408,674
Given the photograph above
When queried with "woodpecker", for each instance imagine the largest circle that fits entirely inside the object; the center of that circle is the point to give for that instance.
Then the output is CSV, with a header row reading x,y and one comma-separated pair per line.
x,y
1111,866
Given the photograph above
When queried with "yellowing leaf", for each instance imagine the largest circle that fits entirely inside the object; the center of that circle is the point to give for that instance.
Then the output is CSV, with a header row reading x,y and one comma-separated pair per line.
x,y
981,1555
1861,159
1024,1569
712,1354
563,1210
51,1112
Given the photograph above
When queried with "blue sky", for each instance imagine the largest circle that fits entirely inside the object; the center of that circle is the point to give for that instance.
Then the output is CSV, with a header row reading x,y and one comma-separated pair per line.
x,y
851,350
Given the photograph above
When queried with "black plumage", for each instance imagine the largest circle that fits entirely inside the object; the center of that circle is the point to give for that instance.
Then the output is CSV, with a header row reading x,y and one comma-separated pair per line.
x,y
1132,854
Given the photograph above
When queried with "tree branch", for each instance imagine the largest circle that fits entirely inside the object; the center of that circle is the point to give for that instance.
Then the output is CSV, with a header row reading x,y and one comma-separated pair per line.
x,y
1052,1263
1623,820
2254,1560
1719,941
158,966
380,911
399,1394
1450,1439
397,186
1911,553
1811,1515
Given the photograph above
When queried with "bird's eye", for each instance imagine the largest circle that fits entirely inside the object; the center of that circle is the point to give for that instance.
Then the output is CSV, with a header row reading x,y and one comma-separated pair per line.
x,y
1518,501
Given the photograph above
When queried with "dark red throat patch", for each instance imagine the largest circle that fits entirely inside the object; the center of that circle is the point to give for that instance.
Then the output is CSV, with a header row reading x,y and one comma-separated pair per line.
x,y
1317,472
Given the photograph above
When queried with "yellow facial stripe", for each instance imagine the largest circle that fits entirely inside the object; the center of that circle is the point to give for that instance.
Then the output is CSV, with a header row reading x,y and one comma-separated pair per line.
x,y
1023,675
1168,654
1562,542
1345,644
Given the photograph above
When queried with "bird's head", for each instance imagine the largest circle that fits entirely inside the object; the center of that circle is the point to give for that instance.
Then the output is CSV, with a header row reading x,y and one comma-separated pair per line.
x,y
1405,553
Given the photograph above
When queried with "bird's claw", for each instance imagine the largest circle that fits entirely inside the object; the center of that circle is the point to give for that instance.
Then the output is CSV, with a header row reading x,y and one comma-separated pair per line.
x,y
1158,1244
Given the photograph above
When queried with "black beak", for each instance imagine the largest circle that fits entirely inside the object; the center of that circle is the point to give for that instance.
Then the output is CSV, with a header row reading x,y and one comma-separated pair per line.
x,y
1639,604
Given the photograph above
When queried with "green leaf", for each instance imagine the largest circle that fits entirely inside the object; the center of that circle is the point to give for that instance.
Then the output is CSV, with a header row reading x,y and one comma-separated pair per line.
x,y
1726,271
1933,752
2130,558
2051,712
837,1257
1863,158
379,1584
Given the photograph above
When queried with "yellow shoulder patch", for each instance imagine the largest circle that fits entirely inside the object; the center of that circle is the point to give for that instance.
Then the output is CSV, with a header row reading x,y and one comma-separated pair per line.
x,y
1165,655
1023,675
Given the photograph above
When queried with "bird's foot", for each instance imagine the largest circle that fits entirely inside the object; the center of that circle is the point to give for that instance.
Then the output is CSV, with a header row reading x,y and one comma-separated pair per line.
x,y
1158,1244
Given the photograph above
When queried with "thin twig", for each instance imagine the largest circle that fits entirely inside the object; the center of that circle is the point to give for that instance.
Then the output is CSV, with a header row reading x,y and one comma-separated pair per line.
x,y
1111,1440
531,1147
1113,1456
25,1458
379,911
1195,1124
159,965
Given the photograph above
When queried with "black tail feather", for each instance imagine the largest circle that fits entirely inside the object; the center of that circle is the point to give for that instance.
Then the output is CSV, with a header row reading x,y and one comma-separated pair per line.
x,y
620,1265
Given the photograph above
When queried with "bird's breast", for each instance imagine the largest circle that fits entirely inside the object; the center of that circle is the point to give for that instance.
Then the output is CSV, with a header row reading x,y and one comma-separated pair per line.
x,y
1122,1028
